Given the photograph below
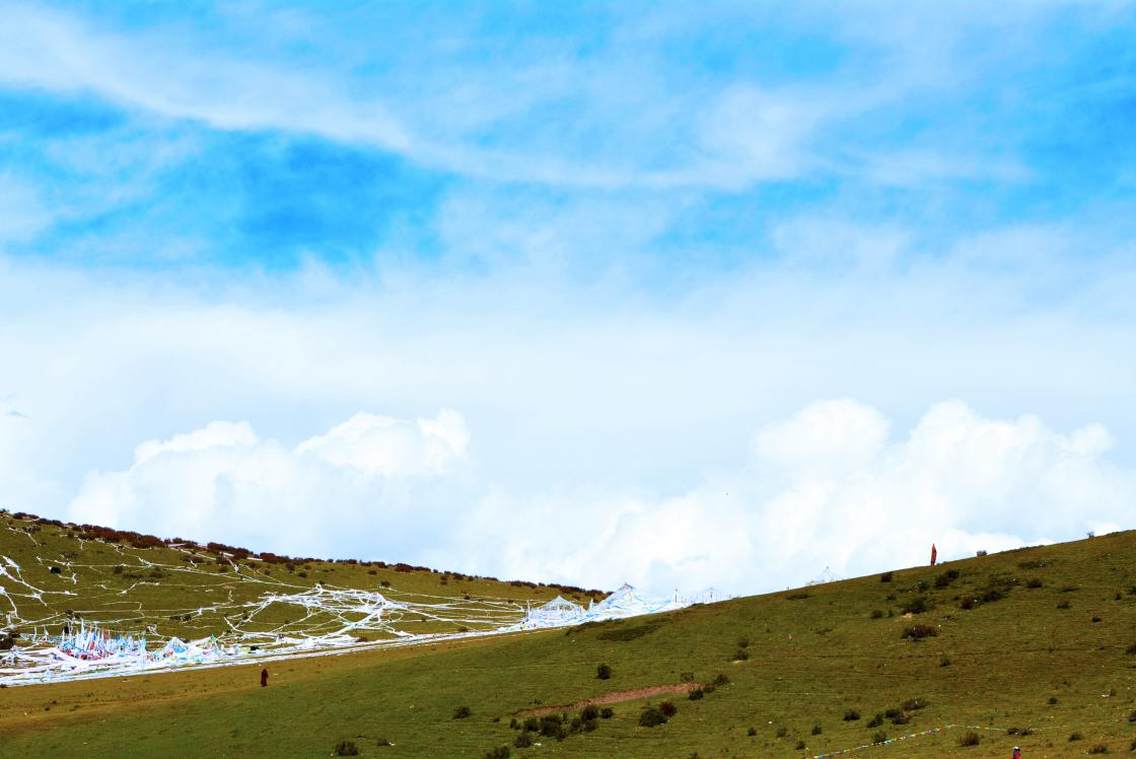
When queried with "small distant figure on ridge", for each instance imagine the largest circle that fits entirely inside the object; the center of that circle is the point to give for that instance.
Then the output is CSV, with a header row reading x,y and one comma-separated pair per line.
x,y
1017,753
934,554
264,678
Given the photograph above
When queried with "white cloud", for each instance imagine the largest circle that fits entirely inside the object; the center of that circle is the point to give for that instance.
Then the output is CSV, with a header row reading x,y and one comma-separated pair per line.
x,y
222,482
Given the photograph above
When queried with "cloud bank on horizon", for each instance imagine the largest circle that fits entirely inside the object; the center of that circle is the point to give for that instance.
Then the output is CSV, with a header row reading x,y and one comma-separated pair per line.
x,y
681,296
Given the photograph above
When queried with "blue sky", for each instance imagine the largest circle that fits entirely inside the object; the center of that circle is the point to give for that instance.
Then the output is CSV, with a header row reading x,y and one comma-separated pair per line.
x,y
621,242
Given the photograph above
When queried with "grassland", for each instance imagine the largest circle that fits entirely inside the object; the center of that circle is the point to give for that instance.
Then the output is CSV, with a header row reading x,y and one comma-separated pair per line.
x,y
1038,641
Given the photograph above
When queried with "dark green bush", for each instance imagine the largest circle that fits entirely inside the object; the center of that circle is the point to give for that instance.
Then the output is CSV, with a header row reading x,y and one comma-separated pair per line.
x,y
916,605
817,730
721,679
1099,748
462,712
876,721
970,738
603,672
751,732
919,632
501,752
696,694
523,740
668,709
851,715
879,737
607,712
346,748
886,577
740,655
914,704
652,717
589,712
1075,737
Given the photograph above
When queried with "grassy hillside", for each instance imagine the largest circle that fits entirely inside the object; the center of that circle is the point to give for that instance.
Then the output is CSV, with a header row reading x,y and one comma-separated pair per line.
x,y
139,583
1037,641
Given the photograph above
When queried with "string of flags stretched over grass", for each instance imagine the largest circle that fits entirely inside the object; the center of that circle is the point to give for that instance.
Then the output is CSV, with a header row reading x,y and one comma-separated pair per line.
x,y
340,615
901,738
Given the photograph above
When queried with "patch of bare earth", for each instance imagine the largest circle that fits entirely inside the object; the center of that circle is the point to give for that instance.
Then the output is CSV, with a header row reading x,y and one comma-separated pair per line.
x,y
615,697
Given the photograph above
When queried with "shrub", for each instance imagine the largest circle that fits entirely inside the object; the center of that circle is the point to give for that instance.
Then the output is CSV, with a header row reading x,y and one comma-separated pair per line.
x,y
886,577
877,614
851,715
751,732
1096,619
652,717
876,721
800,595
916,605
944,661
969,738
914,704
383,742
967,603
532,724
346,748
721,679
1131,650
668,709
782,731
523,740
1052,700
1132,716
696,693
817,730
589,712
800,745
740,655
550,726
1019,731
879,737
919,632
1034,582
1063,605
946,578
590,725
686,677
902,718
603,672
1076,737
607,712
462,712
501,752
1099,748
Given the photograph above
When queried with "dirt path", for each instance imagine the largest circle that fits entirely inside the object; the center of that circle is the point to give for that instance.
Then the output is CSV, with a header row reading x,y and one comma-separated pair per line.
x,y
610,698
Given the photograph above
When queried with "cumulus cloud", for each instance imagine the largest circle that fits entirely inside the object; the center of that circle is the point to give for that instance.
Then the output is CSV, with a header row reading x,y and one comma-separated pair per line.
x,y
331,492
827,486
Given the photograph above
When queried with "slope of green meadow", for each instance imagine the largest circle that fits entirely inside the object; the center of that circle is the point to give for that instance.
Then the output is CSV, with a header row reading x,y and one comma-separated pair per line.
x,y
1030,647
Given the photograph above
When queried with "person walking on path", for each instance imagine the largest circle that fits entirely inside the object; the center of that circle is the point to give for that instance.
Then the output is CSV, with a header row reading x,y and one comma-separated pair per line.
x,y
1017,753
264,678
934,554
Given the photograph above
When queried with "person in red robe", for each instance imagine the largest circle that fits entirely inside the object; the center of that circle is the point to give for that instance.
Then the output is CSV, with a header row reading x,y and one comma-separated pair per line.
x,y
934,554
264,678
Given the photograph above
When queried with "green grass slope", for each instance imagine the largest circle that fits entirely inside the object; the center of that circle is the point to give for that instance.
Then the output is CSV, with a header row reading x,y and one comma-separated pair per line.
x,y
133,583
1030,647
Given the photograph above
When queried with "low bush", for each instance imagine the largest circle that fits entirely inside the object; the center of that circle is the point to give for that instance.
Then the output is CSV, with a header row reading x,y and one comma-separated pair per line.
x,y
751,732
607,712
462,712
740,655
1052,700
944,661
652,717
1075,737
782,731
879,737
970,738
1034,582
800,745
919,632
668,709
800,595
1131,650
914,704
696,694
916,605
817,730
1099,748
501,752
523,740
589,712
1064,605
603,672
851,715
531,725
686,677
346,748
721,679
886,577
876,721
877,614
